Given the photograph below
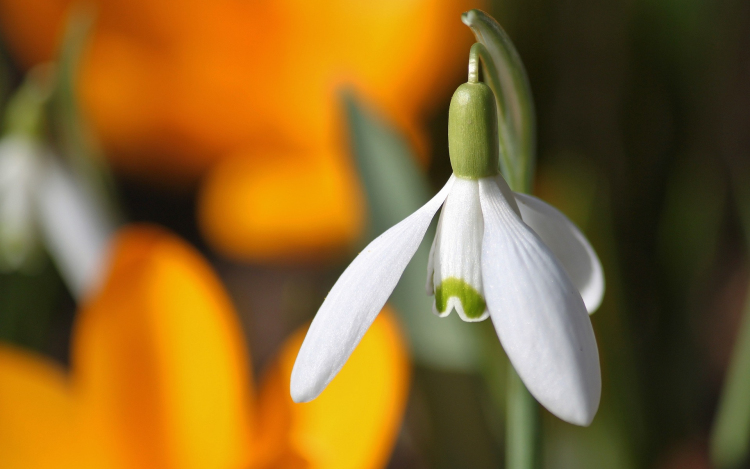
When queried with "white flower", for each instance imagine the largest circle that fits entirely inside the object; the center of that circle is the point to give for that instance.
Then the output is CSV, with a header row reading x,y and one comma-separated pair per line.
x,y
496,253
40,200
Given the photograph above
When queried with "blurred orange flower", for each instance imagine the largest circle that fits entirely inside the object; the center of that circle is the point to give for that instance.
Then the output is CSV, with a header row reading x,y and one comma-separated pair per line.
x,y
160,379
173,91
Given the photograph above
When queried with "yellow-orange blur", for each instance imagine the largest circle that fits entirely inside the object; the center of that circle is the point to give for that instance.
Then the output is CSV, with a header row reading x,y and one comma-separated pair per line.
x,y
176,91
160,379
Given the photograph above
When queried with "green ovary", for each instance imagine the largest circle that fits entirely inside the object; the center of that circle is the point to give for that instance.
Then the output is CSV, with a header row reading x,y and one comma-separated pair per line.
x,y
471,300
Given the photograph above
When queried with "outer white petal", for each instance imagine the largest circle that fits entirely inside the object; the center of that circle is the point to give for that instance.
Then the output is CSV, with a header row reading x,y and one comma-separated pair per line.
x,y
569,245
538,314
457,250
356,299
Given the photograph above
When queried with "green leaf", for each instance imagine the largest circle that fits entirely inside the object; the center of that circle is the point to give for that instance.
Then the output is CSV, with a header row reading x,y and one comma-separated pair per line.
x,y
396,187
505,74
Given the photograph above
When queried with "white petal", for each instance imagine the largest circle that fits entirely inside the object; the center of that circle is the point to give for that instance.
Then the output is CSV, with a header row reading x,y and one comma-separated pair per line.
x,y
569,245
76,230
430,286
456,267
538,314
356,299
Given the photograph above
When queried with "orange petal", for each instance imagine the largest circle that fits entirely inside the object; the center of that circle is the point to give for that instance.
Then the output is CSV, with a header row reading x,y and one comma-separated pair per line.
x,y
354,422
160,361
37,413
269,206
35,29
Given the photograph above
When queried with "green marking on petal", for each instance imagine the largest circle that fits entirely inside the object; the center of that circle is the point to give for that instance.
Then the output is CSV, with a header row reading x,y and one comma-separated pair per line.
x,y
471,299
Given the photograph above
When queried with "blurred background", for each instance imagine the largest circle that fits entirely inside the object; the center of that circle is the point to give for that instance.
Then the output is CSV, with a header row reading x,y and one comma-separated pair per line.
x,y
241,153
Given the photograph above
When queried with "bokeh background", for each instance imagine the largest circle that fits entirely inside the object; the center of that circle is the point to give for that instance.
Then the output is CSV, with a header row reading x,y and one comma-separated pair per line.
x,y
273,139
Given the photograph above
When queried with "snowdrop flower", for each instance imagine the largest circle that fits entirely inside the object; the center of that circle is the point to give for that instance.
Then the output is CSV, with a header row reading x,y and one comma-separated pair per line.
x,y
497,254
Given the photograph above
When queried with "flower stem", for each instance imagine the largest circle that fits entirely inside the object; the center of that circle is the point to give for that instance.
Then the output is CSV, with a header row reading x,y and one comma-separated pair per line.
x,y
477,50
522,426
522,439
504,73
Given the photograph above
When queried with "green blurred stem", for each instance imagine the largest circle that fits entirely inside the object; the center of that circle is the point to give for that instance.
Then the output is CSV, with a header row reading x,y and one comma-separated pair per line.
x,y
522,426
76,142
24,114
504,73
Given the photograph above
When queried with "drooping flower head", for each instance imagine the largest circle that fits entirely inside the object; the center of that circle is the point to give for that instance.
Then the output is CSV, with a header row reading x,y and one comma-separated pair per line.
x,y
497,254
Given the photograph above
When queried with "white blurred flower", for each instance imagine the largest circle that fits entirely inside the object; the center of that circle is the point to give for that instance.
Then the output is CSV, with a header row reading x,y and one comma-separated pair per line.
x,y
41,202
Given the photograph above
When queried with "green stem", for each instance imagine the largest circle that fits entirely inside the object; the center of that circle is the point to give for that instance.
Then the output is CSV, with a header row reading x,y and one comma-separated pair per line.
x,y
505,75
522,426
523,435
75,140
474,61
480,55
24,114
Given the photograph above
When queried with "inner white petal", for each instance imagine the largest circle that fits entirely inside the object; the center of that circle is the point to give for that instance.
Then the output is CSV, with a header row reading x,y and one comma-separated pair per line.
x,y
455,269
